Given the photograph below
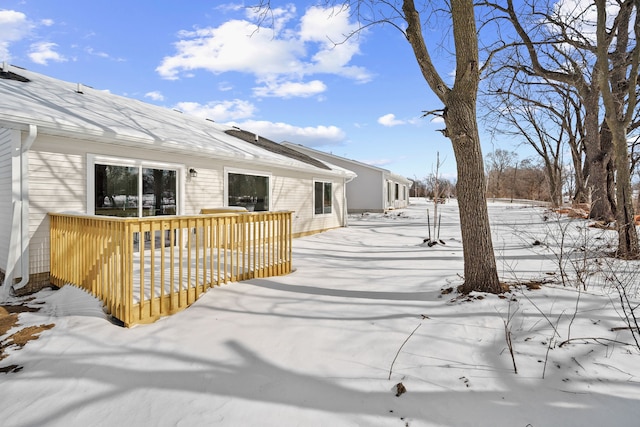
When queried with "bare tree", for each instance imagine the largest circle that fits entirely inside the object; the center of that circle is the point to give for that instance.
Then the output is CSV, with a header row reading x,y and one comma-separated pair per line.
x,y
498,162
618,79
460,117
558,50
540,114
532,181
459,114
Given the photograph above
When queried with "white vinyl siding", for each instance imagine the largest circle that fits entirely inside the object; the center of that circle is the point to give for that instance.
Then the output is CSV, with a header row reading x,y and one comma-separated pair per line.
x,y
56,184
204,191
294,192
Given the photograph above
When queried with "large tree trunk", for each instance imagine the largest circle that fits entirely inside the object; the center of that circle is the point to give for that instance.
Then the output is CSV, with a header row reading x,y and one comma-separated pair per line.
x,y
480,272
596,159
625,223
606,143
619,95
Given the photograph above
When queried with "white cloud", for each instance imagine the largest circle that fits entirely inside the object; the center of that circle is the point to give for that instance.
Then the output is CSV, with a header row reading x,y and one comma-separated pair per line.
x,y
390,120
290,89
582,16
311,136
43,52
155,95
330,28
15,27
234,46
219,111
225,86
92,51
230,7
273,48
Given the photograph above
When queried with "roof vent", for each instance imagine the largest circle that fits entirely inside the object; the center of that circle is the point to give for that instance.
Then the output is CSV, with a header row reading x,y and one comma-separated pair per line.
x,y
8,75
80,88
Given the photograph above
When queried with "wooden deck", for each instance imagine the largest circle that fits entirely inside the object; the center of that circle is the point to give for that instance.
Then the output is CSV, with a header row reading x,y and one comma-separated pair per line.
x,y
146,268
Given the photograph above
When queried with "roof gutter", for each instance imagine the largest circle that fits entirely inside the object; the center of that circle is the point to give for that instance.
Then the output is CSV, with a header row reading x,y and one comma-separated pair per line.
x,y
18,257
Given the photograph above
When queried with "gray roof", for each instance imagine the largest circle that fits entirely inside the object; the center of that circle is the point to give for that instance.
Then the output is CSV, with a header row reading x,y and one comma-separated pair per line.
x,y
274,147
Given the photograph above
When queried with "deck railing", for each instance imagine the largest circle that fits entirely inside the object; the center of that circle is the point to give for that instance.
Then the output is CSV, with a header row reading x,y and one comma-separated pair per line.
x,y
146,268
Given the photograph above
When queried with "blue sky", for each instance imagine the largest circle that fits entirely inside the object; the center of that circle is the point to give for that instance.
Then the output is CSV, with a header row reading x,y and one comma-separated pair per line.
x,y
361,98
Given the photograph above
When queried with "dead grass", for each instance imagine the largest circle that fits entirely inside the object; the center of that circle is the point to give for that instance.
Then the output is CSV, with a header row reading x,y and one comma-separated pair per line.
x,y
9,317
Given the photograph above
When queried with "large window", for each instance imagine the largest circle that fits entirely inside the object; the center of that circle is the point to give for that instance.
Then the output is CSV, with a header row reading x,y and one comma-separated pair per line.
x,y
133,191
248,191
322,197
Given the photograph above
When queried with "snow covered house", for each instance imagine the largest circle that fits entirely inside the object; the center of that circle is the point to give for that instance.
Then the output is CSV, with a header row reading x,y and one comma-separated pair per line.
x,y
373,190
69,148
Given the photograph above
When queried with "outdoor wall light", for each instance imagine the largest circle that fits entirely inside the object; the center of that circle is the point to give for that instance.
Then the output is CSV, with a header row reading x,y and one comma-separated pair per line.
x,y
193,173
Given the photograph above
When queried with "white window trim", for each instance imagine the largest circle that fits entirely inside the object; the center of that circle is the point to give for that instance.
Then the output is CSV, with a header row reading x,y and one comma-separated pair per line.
x,y
228,170
92,159
313,189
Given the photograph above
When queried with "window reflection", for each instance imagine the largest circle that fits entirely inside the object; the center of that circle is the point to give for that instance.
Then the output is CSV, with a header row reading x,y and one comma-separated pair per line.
x,y
248,191
117,191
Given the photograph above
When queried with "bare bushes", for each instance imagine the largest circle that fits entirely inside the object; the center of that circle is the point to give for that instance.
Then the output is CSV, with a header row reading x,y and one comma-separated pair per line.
x,y
584,253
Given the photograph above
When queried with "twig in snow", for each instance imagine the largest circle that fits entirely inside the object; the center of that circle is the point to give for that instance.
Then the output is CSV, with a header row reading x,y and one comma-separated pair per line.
x,y
551,341
596,339
398,352
507,335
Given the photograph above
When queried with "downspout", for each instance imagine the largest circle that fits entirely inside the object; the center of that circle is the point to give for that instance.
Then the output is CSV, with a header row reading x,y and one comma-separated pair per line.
x,y
344,201
20,217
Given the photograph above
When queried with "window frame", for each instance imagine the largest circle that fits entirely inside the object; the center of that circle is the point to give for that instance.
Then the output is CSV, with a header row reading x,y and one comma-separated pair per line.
x,y
323,182
93,159
238,171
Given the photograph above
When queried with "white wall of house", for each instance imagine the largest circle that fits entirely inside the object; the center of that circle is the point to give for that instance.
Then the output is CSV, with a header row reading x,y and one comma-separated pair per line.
x,y
293,195
366,192
397,191
369,190
59,167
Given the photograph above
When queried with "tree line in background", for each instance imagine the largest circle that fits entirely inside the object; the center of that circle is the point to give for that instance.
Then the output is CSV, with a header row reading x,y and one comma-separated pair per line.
x,y
508,177
512,178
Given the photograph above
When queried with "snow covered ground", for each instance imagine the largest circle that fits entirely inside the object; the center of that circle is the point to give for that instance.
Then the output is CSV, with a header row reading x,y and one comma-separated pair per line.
x,y
328,344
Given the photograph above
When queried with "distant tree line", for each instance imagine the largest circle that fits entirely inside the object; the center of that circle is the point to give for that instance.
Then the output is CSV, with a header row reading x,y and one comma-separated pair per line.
x,y
508,177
